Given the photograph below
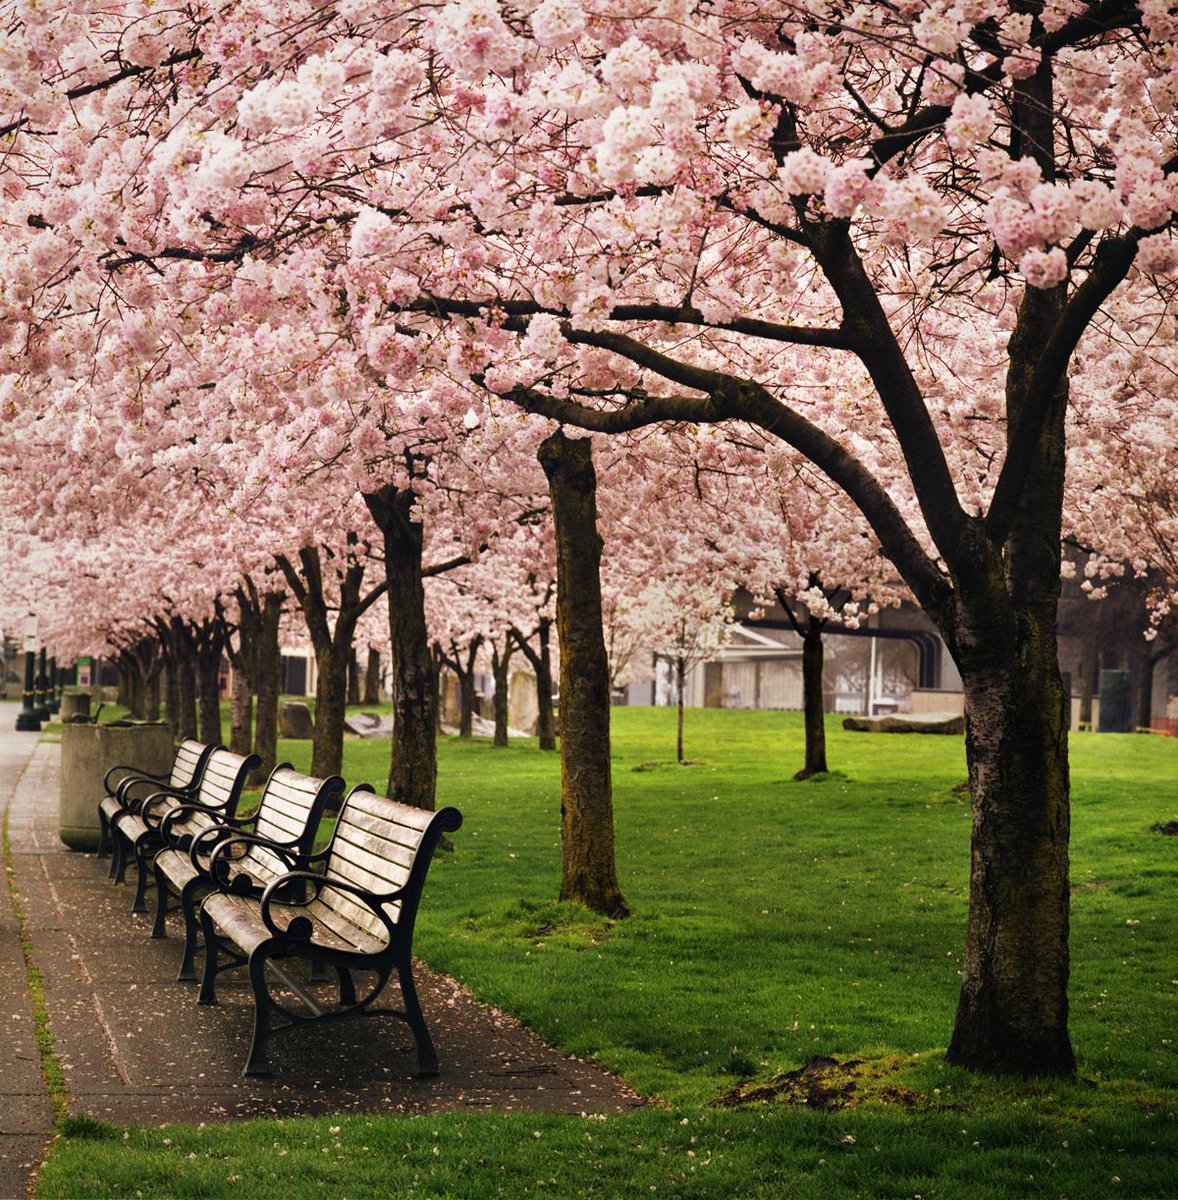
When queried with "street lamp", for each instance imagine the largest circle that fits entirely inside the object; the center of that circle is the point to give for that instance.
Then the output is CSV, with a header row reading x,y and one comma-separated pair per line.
x,y
27,720
41,691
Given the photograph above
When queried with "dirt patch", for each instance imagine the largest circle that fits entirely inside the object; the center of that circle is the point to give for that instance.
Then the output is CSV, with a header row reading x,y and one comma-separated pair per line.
x,y
824,1084
1170,828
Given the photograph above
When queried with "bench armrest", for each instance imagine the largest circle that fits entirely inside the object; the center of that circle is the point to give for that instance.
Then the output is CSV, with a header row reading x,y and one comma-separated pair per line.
x,y
221,858
299,928
158,802
190,806
133,774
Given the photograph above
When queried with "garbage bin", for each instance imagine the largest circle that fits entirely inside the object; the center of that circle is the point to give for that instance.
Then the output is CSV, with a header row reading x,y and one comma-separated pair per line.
x,y
87,753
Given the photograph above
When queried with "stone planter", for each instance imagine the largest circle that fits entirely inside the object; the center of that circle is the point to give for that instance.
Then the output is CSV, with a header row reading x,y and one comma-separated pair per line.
x,y
87,753
75,704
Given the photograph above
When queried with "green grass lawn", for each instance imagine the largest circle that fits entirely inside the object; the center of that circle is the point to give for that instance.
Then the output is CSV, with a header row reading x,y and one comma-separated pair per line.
x,y
773,921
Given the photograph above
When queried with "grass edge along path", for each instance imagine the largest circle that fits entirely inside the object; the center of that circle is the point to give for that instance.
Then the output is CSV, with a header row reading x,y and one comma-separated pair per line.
x,y
51,1068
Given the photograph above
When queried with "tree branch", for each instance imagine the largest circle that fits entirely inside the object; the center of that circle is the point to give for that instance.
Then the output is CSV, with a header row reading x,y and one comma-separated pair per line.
x,y
1110,266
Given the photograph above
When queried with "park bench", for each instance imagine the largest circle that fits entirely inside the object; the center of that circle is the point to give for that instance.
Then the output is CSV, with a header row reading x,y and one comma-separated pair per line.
x,y
356,916
278,837
138,833
127,787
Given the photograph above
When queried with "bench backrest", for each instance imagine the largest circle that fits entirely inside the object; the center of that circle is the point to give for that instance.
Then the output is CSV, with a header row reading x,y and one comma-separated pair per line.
x,y
380,845
289,812
191,757
221,784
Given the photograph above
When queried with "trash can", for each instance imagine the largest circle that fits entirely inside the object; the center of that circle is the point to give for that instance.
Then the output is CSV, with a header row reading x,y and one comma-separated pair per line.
x,y
87,753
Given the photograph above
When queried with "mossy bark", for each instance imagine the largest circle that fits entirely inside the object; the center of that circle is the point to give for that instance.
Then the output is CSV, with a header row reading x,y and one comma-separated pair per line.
x,y
588,870
267,685
413,770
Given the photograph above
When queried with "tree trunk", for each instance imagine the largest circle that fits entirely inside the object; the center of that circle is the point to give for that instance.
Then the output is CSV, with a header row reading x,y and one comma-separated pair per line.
x,y
171,696
813,702
267,685
680,695
1144,705
353,678
372,678
500,666
331,694
208,644
241,713
541,662
588,871
185,665
1089,668
546,721
464,672
332,645
413,771
1012,1014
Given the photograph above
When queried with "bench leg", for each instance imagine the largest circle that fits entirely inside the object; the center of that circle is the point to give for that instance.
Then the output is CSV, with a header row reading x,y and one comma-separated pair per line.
x,y
159,928
118,858
103,833
257,1063
208,981
139,904
427,1059
347,987
189,896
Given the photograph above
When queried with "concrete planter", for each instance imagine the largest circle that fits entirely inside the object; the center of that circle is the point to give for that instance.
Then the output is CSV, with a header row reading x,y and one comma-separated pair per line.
x,y
87,753
75,704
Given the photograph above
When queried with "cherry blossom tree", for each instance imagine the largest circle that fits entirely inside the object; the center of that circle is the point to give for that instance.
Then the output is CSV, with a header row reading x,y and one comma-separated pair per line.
x,y
899,240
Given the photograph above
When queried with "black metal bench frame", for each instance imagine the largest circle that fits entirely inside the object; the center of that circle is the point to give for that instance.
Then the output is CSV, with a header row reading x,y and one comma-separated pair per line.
x,y
126,788
139,833
183,866
257,932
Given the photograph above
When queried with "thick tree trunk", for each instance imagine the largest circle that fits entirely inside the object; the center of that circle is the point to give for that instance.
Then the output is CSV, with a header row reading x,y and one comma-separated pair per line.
x,y
1013,1012
209,644
588,871
267,685
125,688
500,668
680,699
413,771
331,694
813,702
353,678
172,699
372,678
241,713
185,670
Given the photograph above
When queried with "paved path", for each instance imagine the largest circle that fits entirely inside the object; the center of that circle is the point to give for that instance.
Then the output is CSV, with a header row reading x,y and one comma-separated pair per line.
x,y
137,1049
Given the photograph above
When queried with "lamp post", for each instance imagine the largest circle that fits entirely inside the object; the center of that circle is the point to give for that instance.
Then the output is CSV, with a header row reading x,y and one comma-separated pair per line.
x,y
41,691
27,720
55,687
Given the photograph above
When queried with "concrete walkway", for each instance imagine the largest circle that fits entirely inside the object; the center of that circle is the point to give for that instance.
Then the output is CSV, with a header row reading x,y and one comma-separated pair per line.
x,y
136,1048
